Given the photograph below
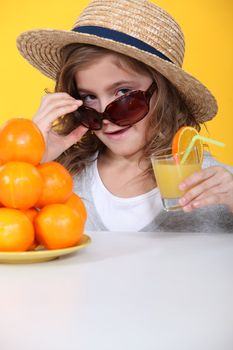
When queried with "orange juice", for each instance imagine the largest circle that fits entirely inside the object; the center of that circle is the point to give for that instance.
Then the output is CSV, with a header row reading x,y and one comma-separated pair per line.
x,y
169,173
169,176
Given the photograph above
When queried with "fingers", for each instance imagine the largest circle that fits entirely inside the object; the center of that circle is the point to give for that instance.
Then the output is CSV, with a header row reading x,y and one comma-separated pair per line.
x,y
53,106
57,144
213,185
74,137
198,183
208,199
198,177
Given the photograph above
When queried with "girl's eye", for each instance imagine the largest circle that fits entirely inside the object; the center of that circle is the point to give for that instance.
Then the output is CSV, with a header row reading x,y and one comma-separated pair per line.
x,y
88,98
122,92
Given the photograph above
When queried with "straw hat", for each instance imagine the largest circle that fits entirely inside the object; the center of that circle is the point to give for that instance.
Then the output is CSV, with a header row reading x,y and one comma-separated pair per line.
x,y
136,28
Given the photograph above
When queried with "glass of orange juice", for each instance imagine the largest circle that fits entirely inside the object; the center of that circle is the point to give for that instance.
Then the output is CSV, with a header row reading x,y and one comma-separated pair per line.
x,y
170,172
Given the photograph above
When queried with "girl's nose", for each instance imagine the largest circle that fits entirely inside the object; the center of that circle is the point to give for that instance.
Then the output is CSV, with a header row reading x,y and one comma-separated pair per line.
x,y
104,102
102,106
106,121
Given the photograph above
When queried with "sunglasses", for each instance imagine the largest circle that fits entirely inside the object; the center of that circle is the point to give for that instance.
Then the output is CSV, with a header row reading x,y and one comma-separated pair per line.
x,y
126,110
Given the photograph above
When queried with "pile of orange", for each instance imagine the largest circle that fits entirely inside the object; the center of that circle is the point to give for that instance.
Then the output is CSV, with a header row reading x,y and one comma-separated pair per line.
x,y
37,202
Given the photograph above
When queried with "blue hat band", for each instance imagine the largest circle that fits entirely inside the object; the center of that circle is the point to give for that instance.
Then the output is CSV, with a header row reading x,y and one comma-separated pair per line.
x,y
121,38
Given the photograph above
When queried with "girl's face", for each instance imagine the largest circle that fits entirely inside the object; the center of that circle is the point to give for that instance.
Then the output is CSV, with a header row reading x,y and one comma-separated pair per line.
x,y
101,83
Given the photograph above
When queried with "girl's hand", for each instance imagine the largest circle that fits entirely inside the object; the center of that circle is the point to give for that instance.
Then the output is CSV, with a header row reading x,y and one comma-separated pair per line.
x,y
213,185
53,106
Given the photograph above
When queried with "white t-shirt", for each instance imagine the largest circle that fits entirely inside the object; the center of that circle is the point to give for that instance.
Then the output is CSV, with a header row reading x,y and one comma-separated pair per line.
x,y
123,214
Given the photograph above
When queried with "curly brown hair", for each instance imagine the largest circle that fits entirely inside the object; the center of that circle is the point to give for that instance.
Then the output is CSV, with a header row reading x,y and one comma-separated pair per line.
x,y
167,115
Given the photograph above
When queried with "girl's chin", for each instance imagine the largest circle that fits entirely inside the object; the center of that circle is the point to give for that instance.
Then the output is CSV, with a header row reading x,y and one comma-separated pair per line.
x,y
124,151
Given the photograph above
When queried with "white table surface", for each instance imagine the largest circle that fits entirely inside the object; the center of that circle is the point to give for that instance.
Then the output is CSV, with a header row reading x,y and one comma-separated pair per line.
x,y
139,291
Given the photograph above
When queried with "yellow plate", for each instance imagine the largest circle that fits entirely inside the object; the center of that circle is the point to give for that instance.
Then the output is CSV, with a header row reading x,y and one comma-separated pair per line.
x,y
41,255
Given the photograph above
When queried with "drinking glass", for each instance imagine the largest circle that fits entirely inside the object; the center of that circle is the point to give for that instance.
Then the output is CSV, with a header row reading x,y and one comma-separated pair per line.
x,y
170,172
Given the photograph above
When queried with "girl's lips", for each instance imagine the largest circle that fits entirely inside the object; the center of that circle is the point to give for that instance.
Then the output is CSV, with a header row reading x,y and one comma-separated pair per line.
x,y
116,134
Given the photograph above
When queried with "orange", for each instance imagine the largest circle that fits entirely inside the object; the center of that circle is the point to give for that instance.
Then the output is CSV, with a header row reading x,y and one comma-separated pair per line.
x,y
20,185
182,139
34,245
57,184
31,213
57,226
16,231
21,140
77,204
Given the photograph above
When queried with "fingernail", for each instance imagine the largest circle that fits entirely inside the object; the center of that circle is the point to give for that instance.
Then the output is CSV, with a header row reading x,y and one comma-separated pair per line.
x,y
196,204
188,208
182,201
182,186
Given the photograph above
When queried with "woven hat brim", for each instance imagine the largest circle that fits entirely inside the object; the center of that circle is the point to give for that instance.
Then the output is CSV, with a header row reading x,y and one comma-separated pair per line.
x,y
41,48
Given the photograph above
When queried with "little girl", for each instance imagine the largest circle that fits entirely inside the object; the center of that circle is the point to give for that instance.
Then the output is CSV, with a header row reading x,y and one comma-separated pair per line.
x,y
120,96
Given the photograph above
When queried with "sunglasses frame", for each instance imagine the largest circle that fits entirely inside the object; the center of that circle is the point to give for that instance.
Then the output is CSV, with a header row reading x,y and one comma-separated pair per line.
x,y
101,116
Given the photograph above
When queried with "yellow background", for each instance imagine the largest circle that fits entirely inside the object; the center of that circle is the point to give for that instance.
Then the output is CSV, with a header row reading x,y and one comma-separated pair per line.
x,y
208,29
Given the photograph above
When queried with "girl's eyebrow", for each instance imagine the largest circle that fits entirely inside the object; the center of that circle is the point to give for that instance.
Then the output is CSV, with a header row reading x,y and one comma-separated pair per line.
x,y
110,87
119,83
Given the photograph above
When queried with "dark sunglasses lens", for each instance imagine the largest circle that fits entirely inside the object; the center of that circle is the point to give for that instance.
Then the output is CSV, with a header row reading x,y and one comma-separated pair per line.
x,y
128,110
89,118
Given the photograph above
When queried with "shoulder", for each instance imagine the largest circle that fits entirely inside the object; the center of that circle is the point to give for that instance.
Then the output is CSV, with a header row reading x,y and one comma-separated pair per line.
x,y
210,160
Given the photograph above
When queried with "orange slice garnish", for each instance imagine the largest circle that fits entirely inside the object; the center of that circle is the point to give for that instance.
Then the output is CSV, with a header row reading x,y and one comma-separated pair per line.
x,y
182,139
